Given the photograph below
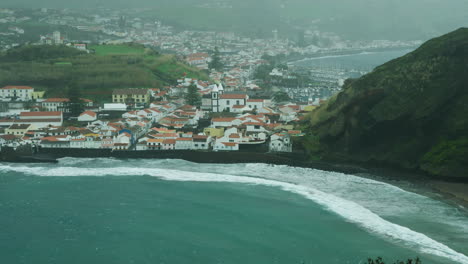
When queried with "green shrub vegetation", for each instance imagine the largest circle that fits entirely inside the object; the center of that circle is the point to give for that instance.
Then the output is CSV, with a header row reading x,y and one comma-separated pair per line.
x,y
114,66
410,112
128,49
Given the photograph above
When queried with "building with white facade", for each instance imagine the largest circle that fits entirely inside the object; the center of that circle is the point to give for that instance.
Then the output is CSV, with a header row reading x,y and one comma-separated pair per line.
x,y
24,93
87,116
280,142
183,143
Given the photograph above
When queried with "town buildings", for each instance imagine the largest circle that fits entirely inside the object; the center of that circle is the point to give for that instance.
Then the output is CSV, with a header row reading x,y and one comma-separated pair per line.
x,y
24,93
131,95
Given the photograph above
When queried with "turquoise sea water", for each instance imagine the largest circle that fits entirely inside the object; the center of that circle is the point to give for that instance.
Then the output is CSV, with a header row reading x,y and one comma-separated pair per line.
x,y
173,211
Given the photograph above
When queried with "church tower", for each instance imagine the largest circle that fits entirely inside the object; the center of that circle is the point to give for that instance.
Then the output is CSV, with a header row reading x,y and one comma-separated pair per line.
x,y
215,94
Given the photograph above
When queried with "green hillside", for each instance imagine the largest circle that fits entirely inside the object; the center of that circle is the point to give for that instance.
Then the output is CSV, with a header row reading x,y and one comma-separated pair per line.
x,y
117,50
57,68
411,113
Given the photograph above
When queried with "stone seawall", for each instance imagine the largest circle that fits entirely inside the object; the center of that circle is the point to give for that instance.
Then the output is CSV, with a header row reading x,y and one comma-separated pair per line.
x,y
290,159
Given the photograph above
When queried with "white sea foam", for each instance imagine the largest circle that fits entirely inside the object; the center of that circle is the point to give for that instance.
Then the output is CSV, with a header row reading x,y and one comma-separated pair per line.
x,y
349,210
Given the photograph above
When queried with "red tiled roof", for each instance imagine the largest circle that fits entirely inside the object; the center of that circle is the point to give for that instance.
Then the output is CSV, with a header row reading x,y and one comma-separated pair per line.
x,y
169,141
90,113
184,139
253,124
41,120
152,140
20,126
233,96
8,137
53,113
165,135
255,100
223,119
57,100
295,107
54,139
238,106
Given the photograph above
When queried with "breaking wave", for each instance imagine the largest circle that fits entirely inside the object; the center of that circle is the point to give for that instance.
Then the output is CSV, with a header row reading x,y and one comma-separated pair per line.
x,y
349,210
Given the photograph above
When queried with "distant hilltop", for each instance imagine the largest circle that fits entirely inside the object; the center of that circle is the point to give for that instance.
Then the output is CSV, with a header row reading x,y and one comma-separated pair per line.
x,y
410,113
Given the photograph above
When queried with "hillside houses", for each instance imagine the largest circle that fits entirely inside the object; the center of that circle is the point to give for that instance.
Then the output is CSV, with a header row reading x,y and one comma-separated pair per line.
x,y
155,119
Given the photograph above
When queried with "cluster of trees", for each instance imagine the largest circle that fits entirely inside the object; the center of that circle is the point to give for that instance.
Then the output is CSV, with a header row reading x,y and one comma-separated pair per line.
x,y
280,97
76,104
216,62
192,97
39,53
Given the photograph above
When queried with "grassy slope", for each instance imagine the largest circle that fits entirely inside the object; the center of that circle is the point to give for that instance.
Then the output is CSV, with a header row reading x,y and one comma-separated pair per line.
x,y
410,112
105,50
120,66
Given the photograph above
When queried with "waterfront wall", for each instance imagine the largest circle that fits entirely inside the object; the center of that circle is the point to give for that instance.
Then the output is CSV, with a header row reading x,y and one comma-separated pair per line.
x,y
27,155
289,159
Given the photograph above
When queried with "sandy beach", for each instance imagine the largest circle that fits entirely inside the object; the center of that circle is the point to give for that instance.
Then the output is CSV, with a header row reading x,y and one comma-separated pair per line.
x,y
458,192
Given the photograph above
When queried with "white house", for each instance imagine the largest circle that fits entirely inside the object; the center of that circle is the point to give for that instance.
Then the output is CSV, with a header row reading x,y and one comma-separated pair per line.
x,y
41,119
88,116
225,122
115,107
226,146
255,103
154,144
41,115
280,142
61,104
25,93
183,143
146,113
77,142
55,142
240,108
55,104
168,144
201,142
227,101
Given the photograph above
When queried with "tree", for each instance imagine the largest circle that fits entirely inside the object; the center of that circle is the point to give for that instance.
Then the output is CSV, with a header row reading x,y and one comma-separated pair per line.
x,y
75,105
192,97
263,72
216,61
281,97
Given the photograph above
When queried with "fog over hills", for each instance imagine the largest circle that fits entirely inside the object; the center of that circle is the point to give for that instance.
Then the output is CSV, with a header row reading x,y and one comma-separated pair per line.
x,y
357,19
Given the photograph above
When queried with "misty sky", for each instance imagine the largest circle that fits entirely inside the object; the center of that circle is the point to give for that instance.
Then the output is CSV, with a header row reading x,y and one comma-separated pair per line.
x,y
375,19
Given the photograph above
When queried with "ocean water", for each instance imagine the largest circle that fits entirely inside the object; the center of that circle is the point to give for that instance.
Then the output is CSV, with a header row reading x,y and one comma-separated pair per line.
x,y
174,211
362,61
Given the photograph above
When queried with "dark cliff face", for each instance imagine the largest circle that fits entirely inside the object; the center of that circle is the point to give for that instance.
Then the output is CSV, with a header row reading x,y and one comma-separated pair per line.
x,y
411,112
